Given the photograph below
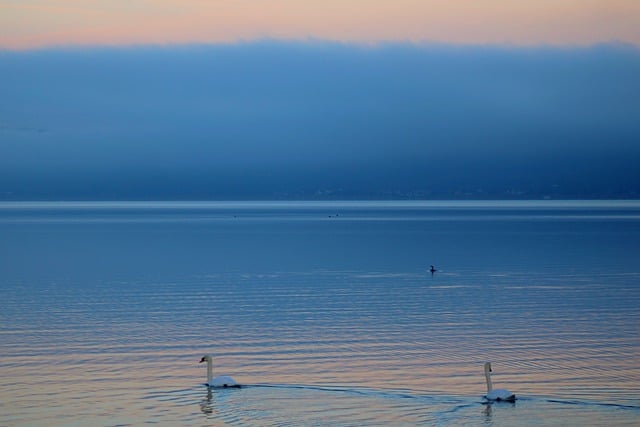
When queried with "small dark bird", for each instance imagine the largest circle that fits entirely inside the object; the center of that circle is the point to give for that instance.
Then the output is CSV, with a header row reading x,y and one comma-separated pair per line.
x,y
432,270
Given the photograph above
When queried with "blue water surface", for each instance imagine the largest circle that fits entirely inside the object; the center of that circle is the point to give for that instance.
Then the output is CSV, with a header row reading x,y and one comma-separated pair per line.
x,y
326,311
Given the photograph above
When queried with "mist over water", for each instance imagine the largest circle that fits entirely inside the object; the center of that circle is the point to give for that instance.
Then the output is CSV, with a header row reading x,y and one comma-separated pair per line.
x,y
326,311
319,120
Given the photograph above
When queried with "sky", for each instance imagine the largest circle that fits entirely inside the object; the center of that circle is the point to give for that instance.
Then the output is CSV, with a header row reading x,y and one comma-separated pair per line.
x,y
37,23
302,99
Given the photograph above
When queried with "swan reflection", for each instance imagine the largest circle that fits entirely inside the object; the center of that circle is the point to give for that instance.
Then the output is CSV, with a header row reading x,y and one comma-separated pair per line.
x,y
205,405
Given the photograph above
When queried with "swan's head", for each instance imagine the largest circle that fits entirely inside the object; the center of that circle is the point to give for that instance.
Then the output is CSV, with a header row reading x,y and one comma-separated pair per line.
x,y
487,367
205,358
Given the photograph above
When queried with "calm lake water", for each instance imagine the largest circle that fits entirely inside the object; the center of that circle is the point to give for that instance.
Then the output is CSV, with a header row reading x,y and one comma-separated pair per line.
x,y
325,311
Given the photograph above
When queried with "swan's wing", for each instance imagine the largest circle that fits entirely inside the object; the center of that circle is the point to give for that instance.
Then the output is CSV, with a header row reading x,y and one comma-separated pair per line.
x,y
501,394
223,381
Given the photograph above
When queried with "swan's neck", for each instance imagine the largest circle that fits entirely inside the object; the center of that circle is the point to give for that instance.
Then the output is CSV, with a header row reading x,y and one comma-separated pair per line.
x,y
209,370
487,375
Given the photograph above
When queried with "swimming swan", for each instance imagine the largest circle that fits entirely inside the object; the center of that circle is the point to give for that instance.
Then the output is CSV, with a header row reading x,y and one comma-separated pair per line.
x,y
220,381
498,394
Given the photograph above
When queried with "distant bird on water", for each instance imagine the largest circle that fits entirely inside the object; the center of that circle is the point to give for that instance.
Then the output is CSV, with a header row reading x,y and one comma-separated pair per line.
x,y
499,394
223,381
432,270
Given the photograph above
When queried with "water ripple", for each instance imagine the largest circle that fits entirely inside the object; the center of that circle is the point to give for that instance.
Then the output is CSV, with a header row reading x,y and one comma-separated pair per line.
x,y
377,342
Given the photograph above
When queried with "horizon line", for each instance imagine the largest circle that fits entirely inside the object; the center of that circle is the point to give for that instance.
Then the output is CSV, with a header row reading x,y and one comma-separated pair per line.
x,y
322,42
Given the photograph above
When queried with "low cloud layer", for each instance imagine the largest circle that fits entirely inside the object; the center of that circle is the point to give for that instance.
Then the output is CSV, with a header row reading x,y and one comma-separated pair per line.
x,y
319,120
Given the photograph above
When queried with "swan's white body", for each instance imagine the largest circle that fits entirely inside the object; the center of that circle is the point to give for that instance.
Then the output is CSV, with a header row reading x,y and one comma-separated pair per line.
x,y
219,381
499,393
222,381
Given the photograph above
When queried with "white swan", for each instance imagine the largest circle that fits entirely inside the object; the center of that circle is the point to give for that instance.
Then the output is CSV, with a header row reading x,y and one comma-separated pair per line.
x,y
499,394
220,381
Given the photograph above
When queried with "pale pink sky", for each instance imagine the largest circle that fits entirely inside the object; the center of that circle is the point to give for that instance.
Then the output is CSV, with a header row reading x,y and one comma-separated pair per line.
x,y
37,23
